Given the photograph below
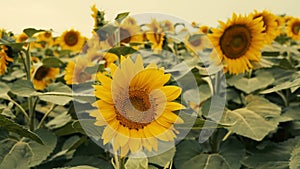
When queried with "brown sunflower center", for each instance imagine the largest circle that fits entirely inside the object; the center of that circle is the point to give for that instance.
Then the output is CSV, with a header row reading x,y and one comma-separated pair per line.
x,y
296,28
235,41
136,111
41,73
71,38
47,34
125,36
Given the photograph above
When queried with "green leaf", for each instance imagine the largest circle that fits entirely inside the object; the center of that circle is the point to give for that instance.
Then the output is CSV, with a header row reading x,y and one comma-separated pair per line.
x,y
122,50
185,151
4,89
87,126
233,152
52,62
59,121
256,120
91,161
11,126
248,123
163,158
262,106
277,153
18,157
82,167
295,157
248,85
137,161
41,152
285,85
23,88
31,31
121,16
58,93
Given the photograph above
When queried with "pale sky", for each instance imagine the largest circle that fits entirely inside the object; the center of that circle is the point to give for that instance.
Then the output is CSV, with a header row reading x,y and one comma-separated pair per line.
x,y
60,15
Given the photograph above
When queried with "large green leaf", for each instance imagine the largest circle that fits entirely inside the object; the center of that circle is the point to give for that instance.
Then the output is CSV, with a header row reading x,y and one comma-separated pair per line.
x,y
31,31
41,152
163,158
59,121
58,93
23,88
285,85
87,126
91,161
137,161
4,89
248,123
18,157
52,62
248,85
256,120
295,157
11,126
233,152
185,151
274,155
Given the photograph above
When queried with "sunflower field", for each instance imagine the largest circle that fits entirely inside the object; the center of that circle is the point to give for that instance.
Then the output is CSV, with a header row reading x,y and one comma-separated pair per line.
x,y
153,91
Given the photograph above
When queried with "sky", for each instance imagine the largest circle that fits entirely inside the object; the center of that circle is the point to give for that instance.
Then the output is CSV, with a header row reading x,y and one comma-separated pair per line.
x,y
61,15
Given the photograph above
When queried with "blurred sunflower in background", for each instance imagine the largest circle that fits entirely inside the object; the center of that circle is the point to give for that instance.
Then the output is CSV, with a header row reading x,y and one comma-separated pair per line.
x,y
72,40
21,37
130,31
4,59
155,35
74,71
135,107
168,26
293,28
42,76
97,56
197,41
270,24
238,42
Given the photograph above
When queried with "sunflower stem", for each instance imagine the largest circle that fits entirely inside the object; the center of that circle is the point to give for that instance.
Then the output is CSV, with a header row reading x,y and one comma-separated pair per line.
x,y
30,101
116,162
46,115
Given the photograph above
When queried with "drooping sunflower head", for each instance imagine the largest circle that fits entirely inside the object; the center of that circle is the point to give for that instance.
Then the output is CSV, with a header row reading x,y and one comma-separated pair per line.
x,y
98,16
270,24
130,31
293,28
4,59
71,40
135,107
238,42
155,35
43,76
74,71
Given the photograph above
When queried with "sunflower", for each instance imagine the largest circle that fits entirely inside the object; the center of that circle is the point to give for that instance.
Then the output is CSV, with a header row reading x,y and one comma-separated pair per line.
x,y
71,40
21,37
238,42
4,58
130,31
293,28
43,75
97,56
155,35
95,42
135,107
168,26
74,72
197,41
269,21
